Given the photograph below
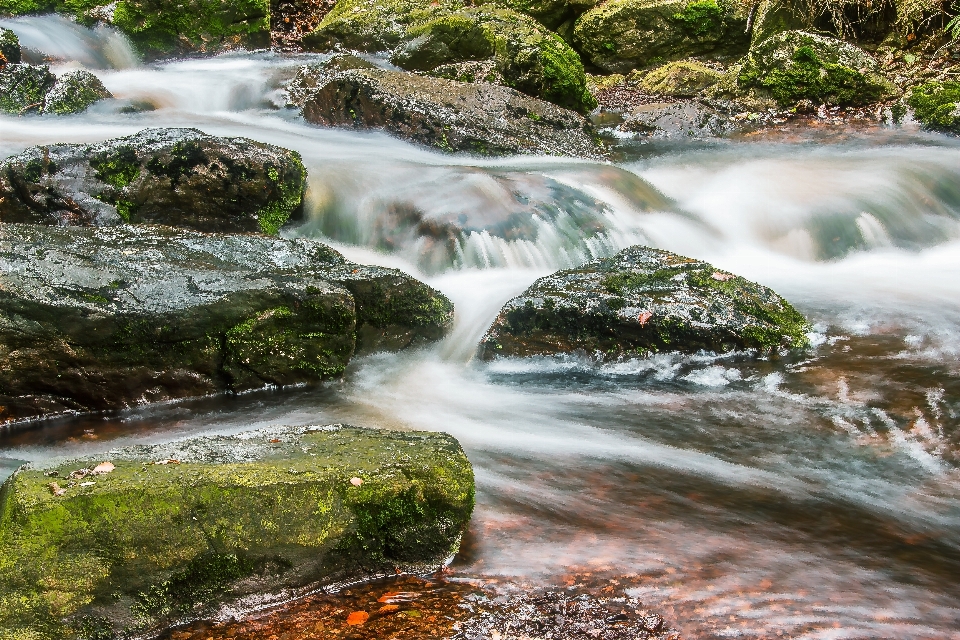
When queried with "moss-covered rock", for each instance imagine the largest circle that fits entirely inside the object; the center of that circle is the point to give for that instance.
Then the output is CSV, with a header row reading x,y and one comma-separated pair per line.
x,y
165,533
23,87
936,105
680,79
425,36
643,301
158,28
776,16
796,65
621,35
485,119
73,92
9,47
180,177
102,318
558,15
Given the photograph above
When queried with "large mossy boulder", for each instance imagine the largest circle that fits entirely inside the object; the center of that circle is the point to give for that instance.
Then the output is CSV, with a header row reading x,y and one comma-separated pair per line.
x,y
621,35
643,301
683,78
147,536
158,28
434,37
558,15
481,118
104,318
74,92
24,87
936,105
797,65
180,177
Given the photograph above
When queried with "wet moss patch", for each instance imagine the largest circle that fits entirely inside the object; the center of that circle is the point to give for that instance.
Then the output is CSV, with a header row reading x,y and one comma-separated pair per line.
x,y
937,105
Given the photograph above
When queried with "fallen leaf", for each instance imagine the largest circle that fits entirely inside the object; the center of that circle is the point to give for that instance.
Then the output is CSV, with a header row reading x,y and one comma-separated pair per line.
x,y
643,317
274,441
356,482
79,473
387,608
722,277
56,490
102,468
358,617
167,462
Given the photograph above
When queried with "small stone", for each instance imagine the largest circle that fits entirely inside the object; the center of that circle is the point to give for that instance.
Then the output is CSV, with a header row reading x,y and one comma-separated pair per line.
x,y
103,468
56,490
356,481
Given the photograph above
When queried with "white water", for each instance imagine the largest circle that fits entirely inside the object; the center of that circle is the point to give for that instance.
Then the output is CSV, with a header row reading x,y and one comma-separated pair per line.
x,y
814,498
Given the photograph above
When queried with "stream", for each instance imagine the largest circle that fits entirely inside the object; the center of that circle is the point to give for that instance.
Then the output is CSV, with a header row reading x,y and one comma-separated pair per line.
x,y
814,495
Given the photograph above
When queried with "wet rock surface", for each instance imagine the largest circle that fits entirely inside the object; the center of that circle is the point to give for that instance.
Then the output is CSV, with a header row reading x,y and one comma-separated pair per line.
x,y
643,301
485,119
73,92
180,177
155,535
97,319
23,87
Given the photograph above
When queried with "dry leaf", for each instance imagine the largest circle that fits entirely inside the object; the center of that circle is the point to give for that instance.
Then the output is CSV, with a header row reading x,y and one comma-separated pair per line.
x,y
56,490
167,462
722,277
388,608
102,468
644,317
79,473
356,482
358,617
274,441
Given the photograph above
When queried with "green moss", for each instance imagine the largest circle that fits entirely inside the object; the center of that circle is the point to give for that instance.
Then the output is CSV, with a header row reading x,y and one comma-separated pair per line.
x,y
118,167
937,105
289,187
811,78
148,544
701,17
23,88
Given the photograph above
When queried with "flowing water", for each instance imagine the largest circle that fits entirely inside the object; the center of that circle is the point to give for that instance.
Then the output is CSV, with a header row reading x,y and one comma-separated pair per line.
x,y
813,495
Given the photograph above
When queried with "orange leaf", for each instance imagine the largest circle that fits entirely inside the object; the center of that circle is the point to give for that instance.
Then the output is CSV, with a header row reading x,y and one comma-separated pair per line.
x,y
643,317
358,617
387,608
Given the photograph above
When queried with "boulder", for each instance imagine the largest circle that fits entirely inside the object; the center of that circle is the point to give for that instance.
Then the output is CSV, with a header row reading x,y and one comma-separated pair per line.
x,y
936,105
621,35
145,537
449,115
430,37
771,17
73,92
683,78
643,301
180,177
23,87
796,65
104,318
9,47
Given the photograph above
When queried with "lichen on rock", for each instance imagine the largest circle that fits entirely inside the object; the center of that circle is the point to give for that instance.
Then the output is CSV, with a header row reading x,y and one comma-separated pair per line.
x,y
172,532
621,35
643,301
180,177
796,65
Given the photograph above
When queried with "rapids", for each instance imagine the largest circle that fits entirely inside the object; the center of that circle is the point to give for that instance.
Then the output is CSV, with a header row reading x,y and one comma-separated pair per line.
x,y
815,495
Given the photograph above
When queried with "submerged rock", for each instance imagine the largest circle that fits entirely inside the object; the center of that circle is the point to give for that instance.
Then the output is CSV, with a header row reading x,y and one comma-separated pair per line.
x,y
936,105
643,301
621,35
452,116
796,65
180,177
104,318
73,92
23,87
166,533
438,38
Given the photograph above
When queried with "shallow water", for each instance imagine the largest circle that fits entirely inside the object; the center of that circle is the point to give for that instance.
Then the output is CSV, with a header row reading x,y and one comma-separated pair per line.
x,y
813,495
